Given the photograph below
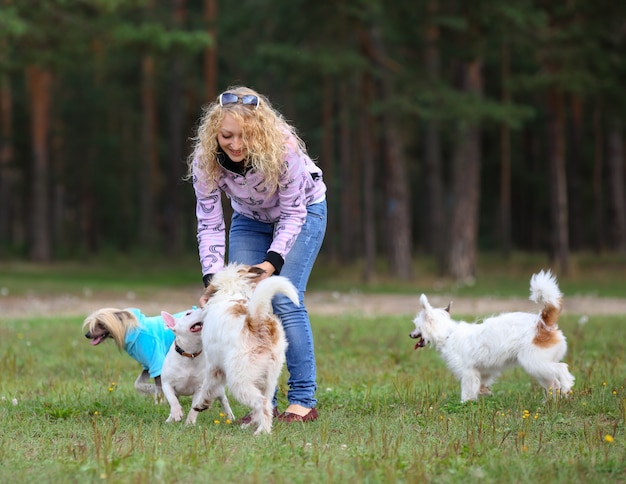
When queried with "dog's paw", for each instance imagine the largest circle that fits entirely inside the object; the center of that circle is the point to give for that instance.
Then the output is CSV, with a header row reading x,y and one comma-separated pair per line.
x,y
147,389
191,418
159,398
176,415
264,428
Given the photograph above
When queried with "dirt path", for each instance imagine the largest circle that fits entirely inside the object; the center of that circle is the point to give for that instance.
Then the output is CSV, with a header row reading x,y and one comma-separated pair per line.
x,y
318,303
378,304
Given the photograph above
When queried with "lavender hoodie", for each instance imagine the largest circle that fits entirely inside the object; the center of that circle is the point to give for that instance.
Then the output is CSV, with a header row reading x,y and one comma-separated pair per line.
x,y
300,185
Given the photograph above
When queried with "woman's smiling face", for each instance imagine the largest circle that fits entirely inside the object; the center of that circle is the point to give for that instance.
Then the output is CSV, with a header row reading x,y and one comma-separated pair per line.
x,y
229,137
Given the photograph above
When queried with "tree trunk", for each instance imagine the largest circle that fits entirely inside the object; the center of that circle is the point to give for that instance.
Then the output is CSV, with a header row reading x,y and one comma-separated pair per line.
x,y
466,187
149,160
574,172
89,228
6,162
327,163
173,210
60,235
434,210
348,196
505,159
368,150
558,182
598,192
210,53
397,200
397,203
39,82
617,210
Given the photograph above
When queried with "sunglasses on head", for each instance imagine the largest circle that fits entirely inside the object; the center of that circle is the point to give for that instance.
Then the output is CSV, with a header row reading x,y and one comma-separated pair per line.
x,y
231,98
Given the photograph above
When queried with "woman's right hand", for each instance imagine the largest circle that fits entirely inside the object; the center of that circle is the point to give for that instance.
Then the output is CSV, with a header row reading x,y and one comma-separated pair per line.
x,y
206,295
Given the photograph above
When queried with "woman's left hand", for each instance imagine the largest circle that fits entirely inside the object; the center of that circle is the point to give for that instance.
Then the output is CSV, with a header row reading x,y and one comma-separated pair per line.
x,y
268,269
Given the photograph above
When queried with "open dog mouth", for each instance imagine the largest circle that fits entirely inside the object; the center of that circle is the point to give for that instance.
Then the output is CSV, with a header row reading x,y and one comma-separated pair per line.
x,y
420,340
196,327
96,340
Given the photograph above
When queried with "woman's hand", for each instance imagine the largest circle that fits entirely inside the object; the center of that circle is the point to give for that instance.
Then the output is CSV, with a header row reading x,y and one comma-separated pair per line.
x,y
268,270
206,295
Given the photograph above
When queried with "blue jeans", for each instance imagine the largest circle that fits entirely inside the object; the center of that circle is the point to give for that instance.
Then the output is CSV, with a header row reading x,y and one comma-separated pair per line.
x,y
248,243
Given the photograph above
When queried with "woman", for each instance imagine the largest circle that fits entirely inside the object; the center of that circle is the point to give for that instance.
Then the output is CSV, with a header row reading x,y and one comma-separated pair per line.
x,y
247,150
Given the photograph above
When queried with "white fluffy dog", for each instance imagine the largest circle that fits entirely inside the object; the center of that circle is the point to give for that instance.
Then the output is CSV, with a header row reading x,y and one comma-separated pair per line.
x,y
477,353
245,340
184,365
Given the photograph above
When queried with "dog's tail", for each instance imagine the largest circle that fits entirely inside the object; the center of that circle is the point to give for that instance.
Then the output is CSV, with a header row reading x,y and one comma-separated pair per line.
x,y
261,300
544,289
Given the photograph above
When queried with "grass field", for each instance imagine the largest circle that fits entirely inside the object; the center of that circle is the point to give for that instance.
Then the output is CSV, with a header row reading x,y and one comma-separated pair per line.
x,y
590,274
68,411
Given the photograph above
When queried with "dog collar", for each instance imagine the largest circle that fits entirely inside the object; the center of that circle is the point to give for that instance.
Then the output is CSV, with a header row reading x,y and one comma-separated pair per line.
x,y
182,352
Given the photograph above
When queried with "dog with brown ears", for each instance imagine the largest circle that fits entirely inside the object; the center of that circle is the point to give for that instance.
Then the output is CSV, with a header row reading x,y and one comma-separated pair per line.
x,y
244,341
478,353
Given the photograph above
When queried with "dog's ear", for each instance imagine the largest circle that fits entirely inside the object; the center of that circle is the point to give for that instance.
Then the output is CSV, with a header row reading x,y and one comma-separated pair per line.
x,y
424,302
121,314
170,321
447,308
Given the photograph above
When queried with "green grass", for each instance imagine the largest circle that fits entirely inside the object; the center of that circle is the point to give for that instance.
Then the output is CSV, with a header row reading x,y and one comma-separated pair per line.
x,y
68,413
590,275
142,274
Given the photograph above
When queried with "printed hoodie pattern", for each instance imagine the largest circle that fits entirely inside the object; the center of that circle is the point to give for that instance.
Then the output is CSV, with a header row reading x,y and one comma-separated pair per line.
x,y
300,185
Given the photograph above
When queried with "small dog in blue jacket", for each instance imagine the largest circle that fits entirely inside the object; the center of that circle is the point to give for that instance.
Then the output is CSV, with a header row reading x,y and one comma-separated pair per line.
x,y
147,339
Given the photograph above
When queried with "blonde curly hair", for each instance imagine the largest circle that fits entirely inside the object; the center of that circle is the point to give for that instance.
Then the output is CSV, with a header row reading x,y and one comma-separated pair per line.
x,y
266,136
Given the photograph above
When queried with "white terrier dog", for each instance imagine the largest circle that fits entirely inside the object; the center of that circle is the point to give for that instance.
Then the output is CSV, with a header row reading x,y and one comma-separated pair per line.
x,y
184,365
477,353
244,340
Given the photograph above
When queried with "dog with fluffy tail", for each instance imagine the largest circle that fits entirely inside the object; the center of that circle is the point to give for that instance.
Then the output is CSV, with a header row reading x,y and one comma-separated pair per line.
x,y
478,353
245,340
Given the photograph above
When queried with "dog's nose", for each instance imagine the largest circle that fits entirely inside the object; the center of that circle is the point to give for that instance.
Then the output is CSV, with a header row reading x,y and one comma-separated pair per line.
x,y
87,335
